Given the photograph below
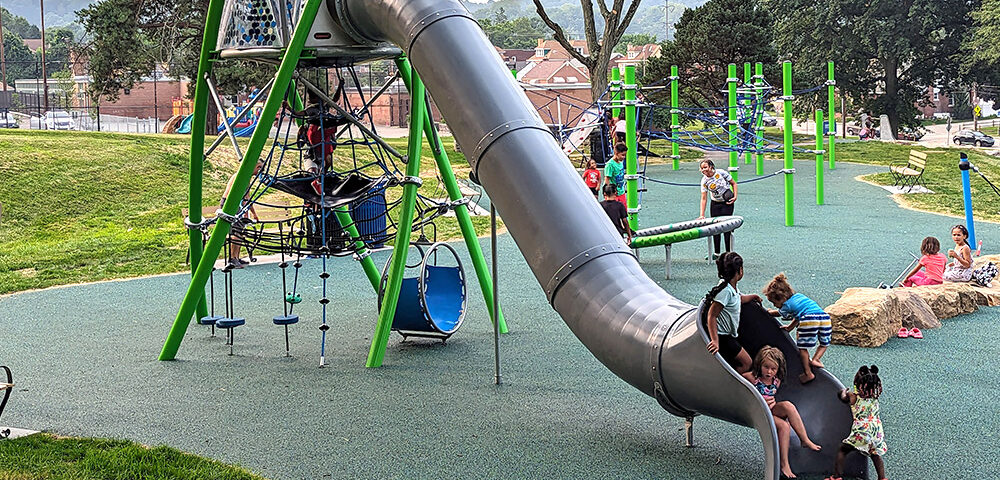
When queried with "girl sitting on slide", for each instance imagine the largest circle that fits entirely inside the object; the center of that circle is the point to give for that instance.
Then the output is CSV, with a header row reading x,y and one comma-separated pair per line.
x,y
766,374
933,263
724,303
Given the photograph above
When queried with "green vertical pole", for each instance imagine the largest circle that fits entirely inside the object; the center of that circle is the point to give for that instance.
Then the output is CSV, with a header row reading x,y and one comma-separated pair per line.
x,y
213,18
747,76
399,251
196,290
367,264
759,96
819,157
675,148
615,89
786,90
733,138
461,211
631,160
831,88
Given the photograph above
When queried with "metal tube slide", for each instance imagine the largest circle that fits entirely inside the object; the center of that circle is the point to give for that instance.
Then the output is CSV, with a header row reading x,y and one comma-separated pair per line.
x,y
591,278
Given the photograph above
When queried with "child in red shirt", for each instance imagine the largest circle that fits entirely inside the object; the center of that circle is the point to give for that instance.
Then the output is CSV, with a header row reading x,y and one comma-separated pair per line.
x,y
592,177
932,262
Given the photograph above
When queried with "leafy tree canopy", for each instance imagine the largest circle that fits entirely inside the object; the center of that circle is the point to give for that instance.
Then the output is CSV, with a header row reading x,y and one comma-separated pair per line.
x,y
19,25
520,32
20,61
633,39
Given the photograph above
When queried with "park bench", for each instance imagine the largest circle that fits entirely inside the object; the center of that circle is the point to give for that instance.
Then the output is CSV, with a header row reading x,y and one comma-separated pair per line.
x,y
909,175
269,215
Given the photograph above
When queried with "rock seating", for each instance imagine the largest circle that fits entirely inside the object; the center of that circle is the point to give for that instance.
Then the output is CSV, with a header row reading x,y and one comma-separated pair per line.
x,y
868,317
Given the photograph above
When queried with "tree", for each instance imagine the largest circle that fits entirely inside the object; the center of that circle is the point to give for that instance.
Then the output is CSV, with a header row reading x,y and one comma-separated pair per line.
x,y
886,53
19,25
707,40
633,39
19,59
616,21
521,32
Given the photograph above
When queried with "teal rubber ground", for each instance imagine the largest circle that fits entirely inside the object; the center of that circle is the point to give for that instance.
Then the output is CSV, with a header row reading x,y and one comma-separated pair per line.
x,y
84,359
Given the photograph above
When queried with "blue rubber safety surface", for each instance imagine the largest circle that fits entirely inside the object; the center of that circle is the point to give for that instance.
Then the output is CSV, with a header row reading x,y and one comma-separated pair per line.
x,y
84,359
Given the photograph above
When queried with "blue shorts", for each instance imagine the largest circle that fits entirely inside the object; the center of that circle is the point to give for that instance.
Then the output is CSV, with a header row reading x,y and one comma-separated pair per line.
x,y
812,328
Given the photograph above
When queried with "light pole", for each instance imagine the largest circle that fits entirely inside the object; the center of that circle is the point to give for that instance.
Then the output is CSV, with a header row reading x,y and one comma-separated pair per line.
x,y
45,80
3,60
668,9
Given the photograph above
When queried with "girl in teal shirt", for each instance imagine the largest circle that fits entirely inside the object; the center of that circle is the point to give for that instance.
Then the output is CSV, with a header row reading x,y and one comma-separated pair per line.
x,y
724,303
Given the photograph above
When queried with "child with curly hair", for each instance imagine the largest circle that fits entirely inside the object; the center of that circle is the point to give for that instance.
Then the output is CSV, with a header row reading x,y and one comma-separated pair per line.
x,y
866,433
813,323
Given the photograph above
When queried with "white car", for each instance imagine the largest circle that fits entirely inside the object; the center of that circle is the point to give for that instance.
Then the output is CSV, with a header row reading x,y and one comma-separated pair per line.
x,y
7,120
58,120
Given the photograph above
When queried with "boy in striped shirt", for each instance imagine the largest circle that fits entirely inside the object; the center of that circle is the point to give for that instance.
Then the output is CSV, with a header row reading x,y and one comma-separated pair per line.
x,y
813,323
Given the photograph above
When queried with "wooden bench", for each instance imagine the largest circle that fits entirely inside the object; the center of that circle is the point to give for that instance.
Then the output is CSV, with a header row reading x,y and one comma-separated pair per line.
x,y
909,175
264,213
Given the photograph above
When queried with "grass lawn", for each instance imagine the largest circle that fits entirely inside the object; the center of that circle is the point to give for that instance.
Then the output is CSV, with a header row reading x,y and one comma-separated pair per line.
x,y
942,176
82,207
45,456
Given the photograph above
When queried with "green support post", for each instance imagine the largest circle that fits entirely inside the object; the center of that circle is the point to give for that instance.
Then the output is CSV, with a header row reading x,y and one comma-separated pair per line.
x,y
733,134
196,165
367,264
399,252
758,95
832,108
675,148
615,90
747,77
786,90
819,157
290,59
461,211
631,159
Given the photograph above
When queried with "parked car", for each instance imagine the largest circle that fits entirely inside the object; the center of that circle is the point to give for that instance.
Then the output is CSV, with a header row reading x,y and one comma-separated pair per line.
x,y
7,120
911,134
973,137
769,120
58,120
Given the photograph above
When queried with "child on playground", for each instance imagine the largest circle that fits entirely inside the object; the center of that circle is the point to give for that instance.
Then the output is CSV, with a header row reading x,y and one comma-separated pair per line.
x,y
319,133
616,212
724,303
592,177
933,263
233,260
866,433
766,374
813,323
959,270
614,172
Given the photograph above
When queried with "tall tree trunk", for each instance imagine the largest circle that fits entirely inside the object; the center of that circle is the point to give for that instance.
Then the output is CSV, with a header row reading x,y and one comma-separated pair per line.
x,y
599,74
892,95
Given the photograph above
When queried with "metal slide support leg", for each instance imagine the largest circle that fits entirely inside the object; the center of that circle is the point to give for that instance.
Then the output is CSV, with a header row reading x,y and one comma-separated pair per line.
x,y
461,211
667,248
196,290
376,354
689,432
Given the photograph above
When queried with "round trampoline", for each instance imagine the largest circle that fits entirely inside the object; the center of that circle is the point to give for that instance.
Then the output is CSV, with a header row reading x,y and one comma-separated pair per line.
x,y
432,304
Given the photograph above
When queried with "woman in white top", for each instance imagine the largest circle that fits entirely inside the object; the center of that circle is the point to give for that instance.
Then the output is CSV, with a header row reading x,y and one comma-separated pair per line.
x,y
722,188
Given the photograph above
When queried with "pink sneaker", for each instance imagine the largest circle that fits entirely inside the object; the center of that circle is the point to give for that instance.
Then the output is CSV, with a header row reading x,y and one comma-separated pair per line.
x,y
903,333
916,333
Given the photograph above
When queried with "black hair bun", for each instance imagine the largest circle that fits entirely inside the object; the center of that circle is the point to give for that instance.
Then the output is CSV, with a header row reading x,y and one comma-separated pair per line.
x,y
874,369
863,370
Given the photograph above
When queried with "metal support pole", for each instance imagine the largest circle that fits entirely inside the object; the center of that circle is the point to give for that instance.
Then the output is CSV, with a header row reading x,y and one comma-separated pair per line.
x,y
631,160
615,90
786,89
376,354
747,77
759,98
675,149
819,157
496,298
970,224
45,80
733,136
461,211
196,290
689,432
831,97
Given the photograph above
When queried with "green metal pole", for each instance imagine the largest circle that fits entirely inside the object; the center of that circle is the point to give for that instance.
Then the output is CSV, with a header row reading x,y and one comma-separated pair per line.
x,y
832,108
196,290
615,89
367,264
747,76
631,160
675,148
819,157
786,90
461,211
399,252
196,166
759,83
733,138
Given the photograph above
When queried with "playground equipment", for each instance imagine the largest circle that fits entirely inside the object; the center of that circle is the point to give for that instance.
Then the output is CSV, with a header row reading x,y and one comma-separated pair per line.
x,y
591,278
431,304
667,235
6,388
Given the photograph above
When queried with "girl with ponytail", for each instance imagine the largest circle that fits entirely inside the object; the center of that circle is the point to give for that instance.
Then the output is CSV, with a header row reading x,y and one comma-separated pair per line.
x,y
866,432
724,302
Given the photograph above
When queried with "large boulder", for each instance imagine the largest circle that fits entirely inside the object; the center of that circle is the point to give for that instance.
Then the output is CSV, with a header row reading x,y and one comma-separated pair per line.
x,y
916,312
948,299
866,317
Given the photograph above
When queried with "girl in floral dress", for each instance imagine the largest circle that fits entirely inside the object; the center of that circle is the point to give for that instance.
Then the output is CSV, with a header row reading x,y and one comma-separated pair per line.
x,y
866,433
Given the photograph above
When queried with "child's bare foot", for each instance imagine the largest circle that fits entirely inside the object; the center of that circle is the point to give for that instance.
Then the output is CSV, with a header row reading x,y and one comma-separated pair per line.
x,y
816,364
787,473
811,446
806,378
